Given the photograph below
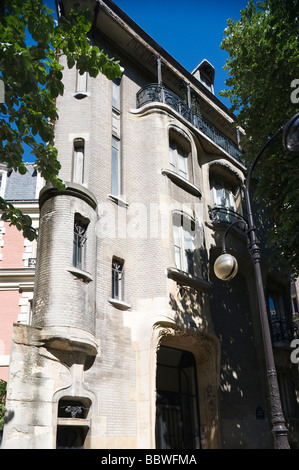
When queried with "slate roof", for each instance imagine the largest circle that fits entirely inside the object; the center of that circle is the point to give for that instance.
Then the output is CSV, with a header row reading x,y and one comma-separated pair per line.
x,y
21,187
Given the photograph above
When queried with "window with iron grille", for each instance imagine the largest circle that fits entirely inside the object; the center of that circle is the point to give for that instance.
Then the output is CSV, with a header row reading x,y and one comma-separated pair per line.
x,y
80,227
117,278
281,326
226,199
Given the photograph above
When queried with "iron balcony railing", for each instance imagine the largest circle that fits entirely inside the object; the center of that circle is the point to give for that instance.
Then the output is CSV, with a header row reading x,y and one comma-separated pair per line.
x,y
222,214
283,331
155,92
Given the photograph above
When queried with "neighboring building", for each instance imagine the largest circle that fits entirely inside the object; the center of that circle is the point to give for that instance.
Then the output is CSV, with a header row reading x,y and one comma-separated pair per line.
x,y
17,257
134,343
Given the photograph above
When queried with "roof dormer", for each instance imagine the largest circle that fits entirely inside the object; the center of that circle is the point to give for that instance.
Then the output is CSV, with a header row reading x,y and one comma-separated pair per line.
x,y
205,73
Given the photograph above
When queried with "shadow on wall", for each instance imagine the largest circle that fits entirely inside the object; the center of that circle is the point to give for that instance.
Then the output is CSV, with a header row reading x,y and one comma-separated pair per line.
x,y
189,307
189,302
242,401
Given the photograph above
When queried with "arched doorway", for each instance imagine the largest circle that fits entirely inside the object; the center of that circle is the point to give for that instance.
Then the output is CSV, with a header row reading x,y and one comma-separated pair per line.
x,y
177,402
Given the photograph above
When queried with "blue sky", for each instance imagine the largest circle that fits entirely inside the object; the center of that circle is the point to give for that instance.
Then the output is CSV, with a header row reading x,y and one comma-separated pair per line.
x,y
190,31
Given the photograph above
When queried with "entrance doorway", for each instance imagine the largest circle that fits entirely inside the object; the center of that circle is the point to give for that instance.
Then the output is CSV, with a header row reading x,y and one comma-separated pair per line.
x,y
177,404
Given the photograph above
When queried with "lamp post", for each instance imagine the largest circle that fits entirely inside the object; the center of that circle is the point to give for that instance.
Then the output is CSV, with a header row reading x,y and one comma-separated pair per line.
x,y
226,268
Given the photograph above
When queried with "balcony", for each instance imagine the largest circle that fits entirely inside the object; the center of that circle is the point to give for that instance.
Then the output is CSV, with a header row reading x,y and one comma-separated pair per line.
x,y
223,215
283,332
155,92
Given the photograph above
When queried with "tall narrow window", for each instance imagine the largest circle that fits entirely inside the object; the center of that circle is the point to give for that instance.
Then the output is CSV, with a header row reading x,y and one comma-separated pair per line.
x,y
115,167
80,227
178,159
276,306
116,94
78,161
117,278
280,325
183,235
81,82
115,163
226,200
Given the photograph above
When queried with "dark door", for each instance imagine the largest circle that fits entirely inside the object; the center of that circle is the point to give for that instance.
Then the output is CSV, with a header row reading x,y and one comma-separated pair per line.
x,y
177,405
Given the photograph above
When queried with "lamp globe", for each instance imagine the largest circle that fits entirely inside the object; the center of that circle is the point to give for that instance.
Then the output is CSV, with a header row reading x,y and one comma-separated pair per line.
x,y
226,267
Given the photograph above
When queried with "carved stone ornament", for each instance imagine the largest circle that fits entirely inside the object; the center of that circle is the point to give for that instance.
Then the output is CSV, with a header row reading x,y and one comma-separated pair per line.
x,y
202,345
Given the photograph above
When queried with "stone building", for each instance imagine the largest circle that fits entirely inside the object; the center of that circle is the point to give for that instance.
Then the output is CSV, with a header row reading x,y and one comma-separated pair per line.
x,y
134,342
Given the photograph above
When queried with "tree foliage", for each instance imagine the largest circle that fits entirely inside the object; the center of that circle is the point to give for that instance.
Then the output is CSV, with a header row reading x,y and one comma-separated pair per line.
x,y
31,43
263,48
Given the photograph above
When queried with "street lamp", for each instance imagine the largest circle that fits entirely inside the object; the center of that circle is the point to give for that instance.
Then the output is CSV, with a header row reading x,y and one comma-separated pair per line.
x,y
226,268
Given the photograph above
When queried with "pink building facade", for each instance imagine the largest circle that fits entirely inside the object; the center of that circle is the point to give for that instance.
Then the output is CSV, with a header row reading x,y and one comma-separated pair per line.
x,y
17,258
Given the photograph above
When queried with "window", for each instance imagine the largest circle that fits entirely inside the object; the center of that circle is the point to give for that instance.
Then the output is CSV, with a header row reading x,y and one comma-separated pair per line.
x,y
205,73
206,81
72,423
276,306
73,408
226,200
115,167
116,94
115,164
81,85
178,159
80,227
117,278
281,328
183,236
78,161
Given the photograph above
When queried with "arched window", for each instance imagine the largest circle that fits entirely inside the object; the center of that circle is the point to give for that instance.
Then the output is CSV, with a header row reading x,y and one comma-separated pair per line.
x,y
180,155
